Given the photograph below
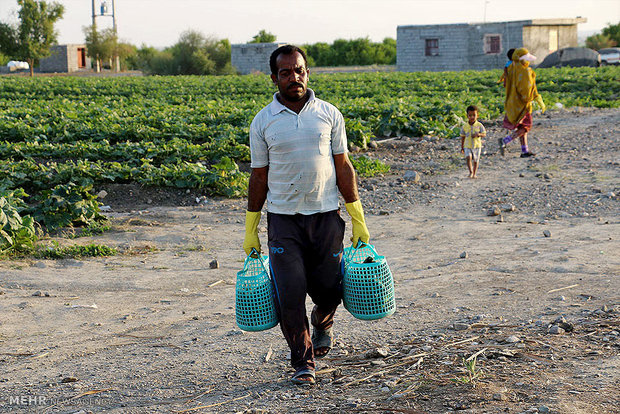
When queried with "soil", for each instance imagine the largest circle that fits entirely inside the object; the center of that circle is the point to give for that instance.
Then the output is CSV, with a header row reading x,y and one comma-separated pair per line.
x,y
531,295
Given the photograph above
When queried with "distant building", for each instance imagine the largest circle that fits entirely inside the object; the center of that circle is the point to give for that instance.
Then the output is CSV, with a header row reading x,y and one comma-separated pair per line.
x,y
65,59
252,57
479,46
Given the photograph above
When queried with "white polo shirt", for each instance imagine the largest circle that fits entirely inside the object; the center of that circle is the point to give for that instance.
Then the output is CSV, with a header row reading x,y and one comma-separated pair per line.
x,y
299,149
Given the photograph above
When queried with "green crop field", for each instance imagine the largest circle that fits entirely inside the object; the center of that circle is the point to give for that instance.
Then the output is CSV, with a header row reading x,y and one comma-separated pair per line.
x,y
59,136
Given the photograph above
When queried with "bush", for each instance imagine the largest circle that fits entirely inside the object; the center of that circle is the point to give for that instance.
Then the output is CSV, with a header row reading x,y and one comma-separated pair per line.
x,y
193,54
75,252
358,132
366,167
17,233
4,59
66,205
352,52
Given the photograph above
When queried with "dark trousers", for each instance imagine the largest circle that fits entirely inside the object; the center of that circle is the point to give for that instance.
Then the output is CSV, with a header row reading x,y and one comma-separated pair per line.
x,y
305,254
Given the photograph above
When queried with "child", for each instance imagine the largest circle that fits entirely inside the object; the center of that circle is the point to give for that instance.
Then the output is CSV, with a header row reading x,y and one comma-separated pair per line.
x,y
505,75
471,142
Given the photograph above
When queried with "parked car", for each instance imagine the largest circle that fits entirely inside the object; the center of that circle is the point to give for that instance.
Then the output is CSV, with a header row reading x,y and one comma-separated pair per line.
x,y
610,56
572,56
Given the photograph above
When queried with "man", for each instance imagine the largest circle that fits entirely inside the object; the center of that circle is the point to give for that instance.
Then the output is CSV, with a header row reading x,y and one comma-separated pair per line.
x,y
299,163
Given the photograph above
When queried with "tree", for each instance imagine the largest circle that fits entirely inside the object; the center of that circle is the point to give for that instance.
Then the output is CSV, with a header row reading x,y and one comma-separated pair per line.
x,y
190,55
386,52
162,63
219,52
35,33
8,40
613,31
599,41
263,37
352,52
103,46
609,37
125,52
100,45
320,54
142,58
193,54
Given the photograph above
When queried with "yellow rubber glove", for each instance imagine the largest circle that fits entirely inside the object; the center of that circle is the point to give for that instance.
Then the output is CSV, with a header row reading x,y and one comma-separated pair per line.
x,y
252,218
360,231
540,102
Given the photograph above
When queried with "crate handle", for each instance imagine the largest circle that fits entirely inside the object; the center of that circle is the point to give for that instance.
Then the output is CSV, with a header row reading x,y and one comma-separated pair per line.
x,y
254,255
360,244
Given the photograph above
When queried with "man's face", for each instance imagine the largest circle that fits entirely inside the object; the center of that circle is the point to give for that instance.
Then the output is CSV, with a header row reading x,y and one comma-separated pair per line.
x,y
472,116
292,77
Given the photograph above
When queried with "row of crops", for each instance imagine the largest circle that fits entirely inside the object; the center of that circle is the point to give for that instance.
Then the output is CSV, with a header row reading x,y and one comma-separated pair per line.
x,y
59,137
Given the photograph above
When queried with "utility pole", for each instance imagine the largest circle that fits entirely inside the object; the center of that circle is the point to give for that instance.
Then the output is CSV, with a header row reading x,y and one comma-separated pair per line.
x,y
97,63
113,16
117,59
104,12
485,10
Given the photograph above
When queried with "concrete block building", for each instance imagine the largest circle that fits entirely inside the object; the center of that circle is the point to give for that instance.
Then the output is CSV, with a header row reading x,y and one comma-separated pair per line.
x,y
479,46
252,57
65,59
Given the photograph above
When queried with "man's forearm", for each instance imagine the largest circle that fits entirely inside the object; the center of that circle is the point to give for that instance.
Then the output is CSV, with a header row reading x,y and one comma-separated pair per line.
x,y
345,178
257,189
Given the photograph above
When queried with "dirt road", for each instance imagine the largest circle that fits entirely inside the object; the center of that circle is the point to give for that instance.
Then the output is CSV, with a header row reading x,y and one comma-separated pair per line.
x,y
153,330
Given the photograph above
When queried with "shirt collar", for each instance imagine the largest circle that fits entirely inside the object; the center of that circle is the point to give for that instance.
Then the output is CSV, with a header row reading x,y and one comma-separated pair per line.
x,y
276,106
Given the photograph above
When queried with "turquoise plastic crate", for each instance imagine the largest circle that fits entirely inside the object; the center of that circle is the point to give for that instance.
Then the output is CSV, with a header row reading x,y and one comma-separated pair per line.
x,y
255,308
368,285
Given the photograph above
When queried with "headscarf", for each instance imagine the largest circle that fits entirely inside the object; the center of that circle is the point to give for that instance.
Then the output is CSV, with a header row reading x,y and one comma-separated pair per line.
x,y
520,86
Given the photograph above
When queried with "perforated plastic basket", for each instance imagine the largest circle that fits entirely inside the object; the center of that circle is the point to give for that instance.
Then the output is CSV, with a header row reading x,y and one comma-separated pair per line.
x,y
255,308
368,287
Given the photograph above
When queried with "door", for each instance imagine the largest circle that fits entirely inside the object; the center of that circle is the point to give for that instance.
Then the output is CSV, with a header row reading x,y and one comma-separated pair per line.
x,y
553,40
81,57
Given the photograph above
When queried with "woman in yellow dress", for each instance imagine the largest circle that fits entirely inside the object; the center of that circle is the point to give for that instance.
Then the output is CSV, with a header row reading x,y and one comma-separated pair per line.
x,y
521,91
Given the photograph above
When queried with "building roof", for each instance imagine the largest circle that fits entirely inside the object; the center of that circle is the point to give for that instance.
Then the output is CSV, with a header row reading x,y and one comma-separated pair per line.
x,y
558,22
70,45
532,22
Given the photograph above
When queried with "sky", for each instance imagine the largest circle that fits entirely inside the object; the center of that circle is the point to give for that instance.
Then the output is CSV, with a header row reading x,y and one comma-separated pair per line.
x,y
159,23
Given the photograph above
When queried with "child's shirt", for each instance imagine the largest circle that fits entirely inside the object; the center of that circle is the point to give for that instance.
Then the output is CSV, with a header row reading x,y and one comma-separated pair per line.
x,y
505,73
468,130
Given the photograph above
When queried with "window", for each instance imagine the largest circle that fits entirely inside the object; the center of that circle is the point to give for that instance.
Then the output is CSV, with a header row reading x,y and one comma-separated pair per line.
x,y
492,44
432,47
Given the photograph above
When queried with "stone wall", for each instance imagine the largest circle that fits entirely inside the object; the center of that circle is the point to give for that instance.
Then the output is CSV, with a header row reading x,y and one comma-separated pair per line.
x,y
57,61
411,47
252,57
461,46
511,35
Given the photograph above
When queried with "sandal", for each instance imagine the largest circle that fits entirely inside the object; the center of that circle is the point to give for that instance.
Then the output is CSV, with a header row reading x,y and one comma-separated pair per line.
x,y
322,341
304,376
